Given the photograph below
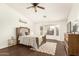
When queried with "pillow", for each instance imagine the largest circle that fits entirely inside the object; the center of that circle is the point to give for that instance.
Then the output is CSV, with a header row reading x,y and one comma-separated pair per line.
x,y
26,33
20,34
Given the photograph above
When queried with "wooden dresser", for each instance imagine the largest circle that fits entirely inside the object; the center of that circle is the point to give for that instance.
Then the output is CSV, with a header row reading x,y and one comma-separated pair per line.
x,y
72,44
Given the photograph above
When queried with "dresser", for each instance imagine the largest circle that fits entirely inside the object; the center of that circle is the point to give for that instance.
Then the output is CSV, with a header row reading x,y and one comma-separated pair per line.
x,y
71,44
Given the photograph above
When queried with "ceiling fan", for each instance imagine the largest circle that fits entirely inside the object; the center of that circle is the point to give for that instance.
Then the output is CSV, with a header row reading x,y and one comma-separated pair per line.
x,y
35,6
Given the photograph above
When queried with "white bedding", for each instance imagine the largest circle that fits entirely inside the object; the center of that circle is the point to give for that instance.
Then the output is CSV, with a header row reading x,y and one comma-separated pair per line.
x,y
30,40
34,36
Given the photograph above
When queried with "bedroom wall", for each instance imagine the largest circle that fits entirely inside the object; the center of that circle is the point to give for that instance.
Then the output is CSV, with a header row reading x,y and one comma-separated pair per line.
x,y
74,13
9,20
62,28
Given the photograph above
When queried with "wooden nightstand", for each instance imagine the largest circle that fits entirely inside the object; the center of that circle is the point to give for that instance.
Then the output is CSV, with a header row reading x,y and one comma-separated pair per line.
x,y
11,42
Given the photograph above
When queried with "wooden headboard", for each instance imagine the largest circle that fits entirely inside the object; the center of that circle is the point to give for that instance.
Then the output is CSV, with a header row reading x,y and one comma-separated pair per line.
x,y
21,31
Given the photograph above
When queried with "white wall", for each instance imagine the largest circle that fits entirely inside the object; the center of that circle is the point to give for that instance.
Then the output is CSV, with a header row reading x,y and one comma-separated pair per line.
x,y
9,20
62,28
74,13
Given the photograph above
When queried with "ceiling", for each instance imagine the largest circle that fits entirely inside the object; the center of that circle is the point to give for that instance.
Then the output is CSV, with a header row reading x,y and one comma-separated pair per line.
x,y
52,12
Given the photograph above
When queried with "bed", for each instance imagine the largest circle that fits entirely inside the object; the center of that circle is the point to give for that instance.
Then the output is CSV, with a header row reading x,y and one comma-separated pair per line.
x,y
24,37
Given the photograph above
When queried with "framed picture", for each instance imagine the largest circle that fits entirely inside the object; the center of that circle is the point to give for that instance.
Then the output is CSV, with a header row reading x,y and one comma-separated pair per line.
x,y
69,27
75,28
57,31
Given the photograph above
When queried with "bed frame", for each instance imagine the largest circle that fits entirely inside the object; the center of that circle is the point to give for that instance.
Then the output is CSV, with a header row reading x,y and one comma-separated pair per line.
x,y
27,32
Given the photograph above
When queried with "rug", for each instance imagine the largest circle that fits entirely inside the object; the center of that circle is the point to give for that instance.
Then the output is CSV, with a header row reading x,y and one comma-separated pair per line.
x,y
48,47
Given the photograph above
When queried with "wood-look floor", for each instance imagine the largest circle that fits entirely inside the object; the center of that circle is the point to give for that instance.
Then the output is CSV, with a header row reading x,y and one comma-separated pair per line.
x,y
21,50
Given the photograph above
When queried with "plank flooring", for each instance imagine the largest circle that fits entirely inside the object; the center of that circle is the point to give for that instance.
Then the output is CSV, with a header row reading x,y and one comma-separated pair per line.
x,y
22,50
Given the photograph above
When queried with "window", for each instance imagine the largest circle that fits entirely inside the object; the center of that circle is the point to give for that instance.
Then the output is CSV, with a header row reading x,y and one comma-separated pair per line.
x,y
53,30
50,31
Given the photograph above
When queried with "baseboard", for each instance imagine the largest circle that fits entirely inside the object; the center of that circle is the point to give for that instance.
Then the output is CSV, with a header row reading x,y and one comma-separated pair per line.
x,y
4,47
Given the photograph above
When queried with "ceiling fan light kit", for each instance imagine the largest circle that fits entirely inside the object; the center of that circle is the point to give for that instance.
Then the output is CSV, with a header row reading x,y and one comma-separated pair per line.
x,y
35,6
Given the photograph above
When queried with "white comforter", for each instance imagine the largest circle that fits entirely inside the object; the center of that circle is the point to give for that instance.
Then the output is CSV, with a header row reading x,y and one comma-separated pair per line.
x,y
30,40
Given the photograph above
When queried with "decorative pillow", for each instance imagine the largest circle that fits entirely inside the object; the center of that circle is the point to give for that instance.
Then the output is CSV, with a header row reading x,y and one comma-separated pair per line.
x,y
26,33
20,34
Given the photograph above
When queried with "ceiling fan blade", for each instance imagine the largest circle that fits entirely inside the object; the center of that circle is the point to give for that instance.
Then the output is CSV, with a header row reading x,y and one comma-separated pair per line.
x,y
40,7
29,7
